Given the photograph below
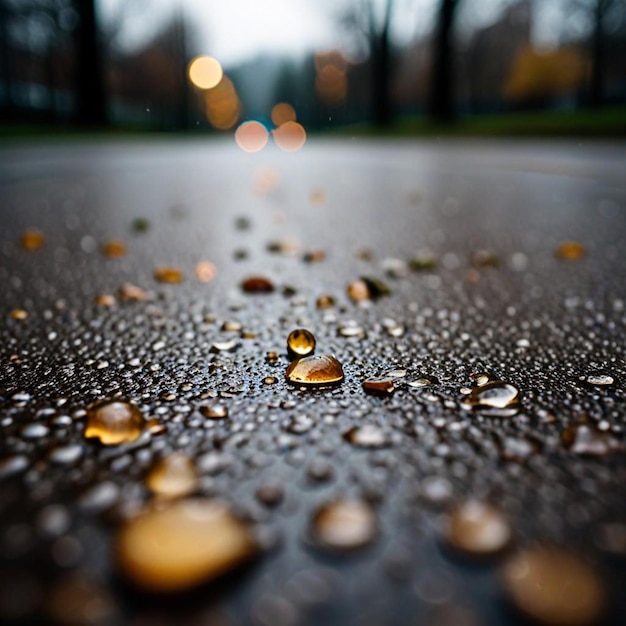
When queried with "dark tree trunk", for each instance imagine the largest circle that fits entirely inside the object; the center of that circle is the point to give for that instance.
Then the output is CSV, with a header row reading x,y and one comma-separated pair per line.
x,y
598,55
441,105
381,71
90,89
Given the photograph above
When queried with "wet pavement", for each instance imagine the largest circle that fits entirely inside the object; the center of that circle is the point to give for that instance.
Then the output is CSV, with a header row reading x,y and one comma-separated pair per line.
x,y
476,288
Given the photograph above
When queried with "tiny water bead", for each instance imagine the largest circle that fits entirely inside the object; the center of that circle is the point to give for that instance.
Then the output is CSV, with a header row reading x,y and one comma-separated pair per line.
x,y
113,422
477,529
105,299
32,240
379,386
325,301
214,411
554,587
270,380
114,249
257,284
367,436
131,292
495,398
301,342
315,371
344,525
570,251
600,380
165,274
185,544
173,476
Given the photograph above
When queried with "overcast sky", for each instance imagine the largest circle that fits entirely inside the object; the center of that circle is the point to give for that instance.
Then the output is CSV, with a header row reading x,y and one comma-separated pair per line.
x,y
236,30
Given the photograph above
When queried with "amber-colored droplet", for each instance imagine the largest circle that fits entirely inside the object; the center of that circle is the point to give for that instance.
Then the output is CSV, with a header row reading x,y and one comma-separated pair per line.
x,y
257,284
173,476
183,545
379,386
132,292
554,587
105,299
344,525
357,291
286,247
32,240
325,301
478,529
270,380
315,371
114,422
168,274
570,251
314,256
114,249
301,342
272,357
205,271
19,314
214,411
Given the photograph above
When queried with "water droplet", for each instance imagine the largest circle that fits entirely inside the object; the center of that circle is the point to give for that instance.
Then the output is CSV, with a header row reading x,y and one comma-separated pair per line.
x,y
344,525
214,411
600,379
286,247
19,314
270,493
66,455
32,240
587,440
106,299
272,357
314,256
205,271
366,288
570,251
325,301
495,398
367,436
379,386
301,342
422,382
140,225
257,284
421,264
226,345
299,424
270,380
165,274
477,529
315,370
114,422
183,545
13,465
114,249
320,470
173,476
554,587
351,328
132,292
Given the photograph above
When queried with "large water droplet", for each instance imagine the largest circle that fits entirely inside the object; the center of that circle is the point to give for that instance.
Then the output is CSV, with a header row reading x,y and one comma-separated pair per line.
x,y
379,386
495,398
185,544
114,422
315,371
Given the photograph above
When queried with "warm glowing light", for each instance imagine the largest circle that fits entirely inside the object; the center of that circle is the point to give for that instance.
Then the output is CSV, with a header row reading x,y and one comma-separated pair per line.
x,y
283,112
205,72
251,136
331,85
290,136
222,105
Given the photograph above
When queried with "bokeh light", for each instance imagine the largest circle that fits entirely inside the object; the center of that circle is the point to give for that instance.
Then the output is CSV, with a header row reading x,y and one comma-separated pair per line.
x,y
290,136
205,72
283,112
331,81
251,136
222,105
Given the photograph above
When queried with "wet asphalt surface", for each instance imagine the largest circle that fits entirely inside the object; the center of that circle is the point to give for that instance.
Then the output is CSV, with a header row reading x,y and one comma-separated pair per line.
x,y
514,310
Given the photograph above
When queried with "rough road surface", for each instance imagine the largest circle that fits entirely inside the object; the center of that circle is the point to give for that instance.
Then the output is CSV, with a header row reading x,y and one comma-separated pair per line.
x,y
465,238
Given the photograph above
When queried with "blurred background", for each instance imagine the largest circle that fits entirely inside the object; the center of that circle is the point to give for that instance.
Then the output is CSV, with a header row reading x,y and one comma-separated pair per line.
x,y
398,66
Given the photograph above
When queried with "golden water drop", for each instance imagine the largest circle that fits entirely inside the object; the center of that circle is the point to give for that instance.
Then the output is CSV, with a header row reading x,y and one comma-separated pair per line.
x,y
272,357
32,240
114,249
105,299
478,529
270,380
183,545
129,291
325,301
315,371
173,476
357,291
205,271
554,587
114,422
379,386
168,274
19,314
301,342
344,525
214,411
570,251
257,284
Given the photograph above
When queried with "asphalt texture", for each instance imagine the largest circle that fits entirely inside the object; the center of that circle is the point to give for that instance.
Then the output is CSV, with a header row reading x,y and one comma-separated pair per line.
x,y
498,300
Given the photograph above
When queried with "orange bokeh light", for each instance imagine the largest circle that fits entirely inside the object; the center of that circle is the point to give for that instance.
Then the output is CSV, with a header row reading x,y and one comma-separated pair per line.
x,y
205,72
331,84
290,136
251,136
283,112
222,105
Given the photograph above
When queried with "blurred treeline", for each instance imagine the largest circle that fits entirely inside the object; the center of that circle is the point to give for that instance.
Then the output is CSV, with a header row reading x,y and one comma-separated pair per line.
x,y
59,64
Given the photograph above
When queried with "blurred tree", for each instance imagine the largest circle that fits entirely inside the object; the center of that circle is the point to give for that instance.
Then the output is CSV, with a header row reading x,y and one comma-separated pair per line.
x,y
441,102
